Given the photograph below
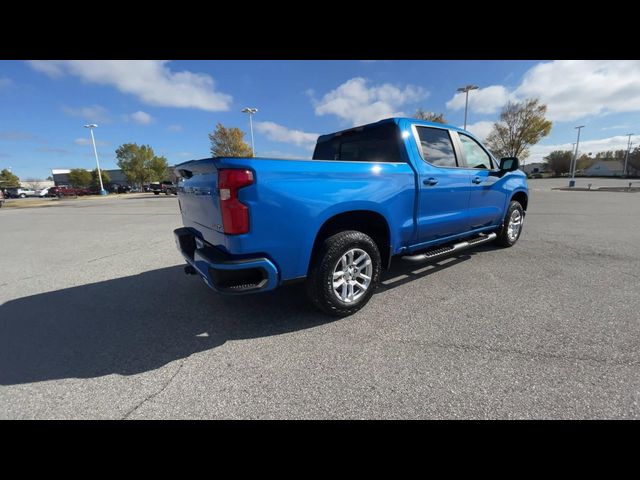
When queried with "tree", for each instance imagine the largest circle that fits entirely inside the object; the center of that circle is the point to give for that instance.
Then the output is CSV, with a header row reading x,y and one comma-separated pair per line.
x,y
50,178
35,183
429,116
136,161
159,168
559,161
229,142
79,177
95,183
521,125
584,161
8,179
633,163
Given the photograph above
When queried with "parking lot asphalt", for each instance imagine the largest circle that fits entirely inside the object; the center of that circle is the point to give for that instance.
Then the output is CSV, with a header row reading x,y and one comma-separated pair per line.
x,y
98,320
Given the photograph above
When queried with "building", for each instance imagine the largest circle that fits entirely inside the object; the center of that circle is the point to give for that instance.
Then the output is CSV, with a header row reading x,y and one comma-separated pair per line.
x,y
37,184
605,168
116,176
534,168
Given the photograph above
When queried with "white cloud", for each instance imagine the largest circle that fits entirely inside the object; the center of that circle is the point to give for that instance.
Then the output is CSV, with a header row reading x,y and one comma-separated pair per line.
x,y
279,133
617,127
93,113
140,117
150,81
174,128
571,89
574,89
484,100
281,154
480,129
51,68
358,103
87,141
17,135
619,142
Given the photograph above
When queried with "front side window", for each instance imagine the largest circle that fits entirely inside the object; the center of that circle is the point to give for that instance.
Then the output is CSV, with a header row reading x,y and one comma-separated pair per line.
x,y
437,148
474,154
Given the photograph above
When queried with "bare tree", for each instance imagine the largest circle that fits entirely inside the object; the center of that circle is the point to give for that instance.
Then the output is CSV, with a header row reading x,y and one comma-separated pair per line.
x,y
429,116
521,125
35,183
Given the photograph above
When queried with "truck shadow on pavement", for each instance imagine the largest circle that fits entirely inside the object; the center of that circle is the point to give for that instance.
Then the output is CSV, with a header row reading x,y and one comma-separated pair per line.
x,y
139,323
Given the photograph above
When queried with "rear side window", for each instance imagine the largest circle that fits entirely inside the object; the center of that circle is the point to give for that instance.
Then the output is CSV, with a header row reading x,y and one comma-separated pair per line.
x,y
380,143
437,148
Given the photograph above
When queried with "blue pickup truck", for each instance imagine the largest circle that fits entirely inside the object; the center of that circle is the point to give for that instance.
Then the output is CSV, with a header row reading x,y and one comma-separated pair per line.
x,y
399,186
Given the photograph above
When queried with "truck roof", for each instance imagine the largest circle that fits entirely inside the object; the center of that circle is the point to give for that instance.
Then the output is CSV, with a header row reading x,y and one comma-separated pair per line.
x,y
323,138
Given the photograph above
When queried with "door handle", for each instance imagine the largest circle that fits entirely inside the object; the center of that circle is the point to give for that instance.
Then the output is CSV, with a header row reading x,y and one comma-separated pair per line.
x,y
430,181
476,180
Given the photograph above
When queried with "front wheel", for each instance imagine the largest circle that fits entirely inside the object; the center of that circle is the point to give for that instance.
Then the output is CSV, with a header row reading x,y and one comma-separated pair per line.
x,y
22,195
344,273
512,225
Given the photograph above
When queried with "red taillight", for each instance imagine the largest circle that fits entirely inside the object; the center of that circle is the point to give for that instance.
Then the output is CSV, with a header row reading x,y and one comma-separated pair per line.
x,y
235,214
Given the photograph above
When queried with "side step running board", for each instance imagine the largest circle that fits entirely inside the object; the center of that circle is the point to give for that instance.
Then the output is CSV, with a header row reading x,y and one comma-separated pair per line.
x,y
448,250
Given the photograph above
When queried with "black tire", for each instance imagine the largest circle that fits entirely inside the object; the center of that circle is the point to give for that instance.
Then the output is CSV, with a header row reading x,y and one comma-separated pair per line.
x,y
503,236
156,193
320,277
22,195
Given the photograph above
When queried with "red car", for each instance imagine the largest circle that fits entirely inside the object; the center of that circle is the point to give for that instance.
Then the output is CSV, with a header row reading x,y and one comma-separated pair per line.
x,y
68,192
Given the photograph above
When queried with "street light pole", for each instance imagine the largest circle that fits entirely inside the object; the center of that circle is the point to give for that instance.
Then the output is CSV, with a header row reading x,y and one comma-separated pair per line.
x,y
91,126
575,158
626,158
466,89
251,111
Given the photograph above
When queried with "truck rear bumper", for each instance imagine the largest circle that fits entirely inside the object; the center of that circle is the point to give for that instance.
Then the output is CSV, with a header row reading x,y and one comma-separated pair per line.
x,y
222,273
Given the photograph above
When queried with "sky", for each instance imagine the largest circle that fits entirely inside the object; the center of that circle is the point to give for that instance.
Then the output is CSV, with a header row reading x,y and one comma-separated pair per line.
x,y
173,105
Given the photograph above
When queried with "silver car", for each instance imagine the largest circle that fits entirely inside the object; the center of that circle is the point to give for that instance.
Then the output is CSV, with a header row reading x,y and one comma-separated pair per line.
x,y
18,192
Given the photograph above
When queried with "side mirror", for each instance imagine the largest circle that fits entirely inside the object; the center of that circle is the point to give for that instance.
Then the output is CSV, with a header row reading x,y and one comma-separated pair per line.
x,y
509,164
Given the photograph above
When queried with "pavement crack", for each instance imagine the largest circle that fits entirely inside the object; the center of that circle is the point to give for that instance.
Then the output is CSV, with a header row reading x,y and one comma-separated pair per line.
x,y
523,353
154,394
151,244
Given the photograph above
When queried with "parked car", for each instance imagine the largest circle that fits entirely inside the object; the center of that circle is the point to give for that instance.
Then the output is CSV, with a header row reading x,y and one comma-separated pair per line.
x,y
64,191
19,192
44,192
165,187
118,188
1,198
398,187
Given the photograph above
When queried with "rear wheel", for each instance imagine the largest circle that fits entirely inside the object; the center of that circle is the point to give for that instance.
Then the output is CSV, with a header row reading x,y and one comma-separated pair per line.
x,y
156,193
22,195
344,273
512,225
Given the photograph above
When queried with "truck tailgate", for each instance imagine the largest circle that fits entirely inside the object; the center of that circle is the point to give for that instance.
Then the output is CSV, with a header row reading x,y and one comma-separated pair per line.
x,y
198,197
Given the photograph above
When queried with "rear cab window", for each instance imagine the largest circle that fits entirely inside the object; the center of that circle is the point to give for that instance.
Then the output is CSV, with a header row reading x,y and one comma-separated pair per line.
x,y
377,143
